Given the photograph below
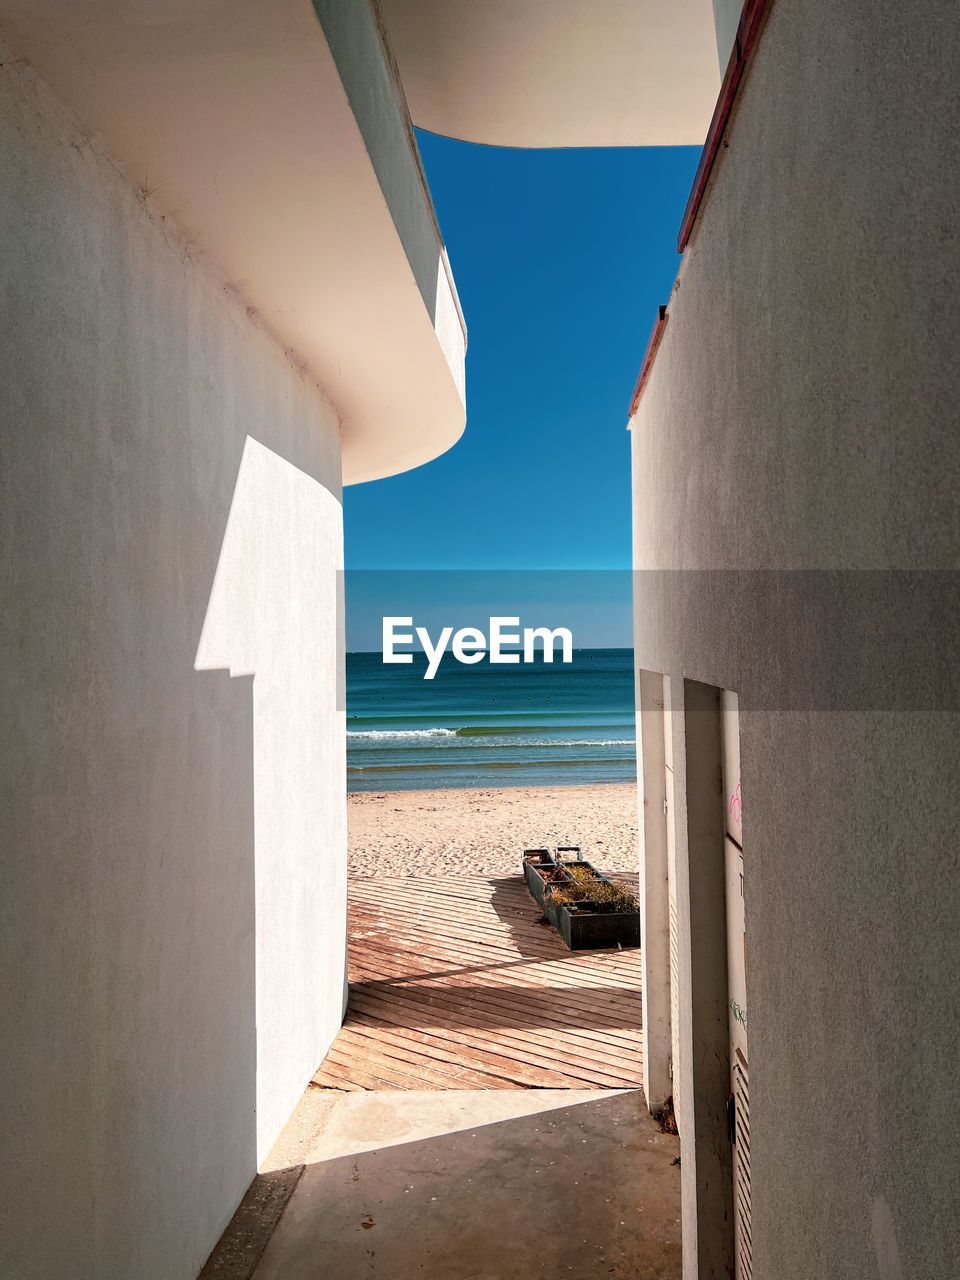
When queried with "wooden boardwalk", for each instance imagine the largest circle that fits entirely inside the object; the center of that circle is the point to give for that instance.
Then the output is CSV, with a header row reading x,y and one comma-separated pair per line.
x,y
460,984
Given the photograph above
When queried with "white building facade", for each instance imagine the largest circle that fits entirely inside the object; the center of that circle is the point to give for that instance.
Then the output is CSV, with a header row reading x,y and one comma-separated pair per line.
x,y
795,462
224,296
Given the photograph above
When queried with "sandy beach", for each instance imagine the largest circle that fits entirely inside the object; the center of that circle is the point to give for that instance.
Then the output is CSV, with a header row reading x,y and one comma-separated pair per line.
x,y
410,832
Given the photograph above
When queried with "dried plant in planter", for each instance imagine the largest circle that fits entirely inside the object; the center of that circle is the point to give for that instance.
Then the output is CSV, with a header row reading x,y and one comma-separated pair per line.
x,y
567,895
583,874
608,897
612,897
586,909
602,896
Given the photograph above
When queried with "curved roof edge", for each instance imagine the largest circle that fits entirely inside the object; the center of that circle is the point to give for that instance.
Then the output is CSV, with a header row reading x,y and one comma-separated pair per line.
x,y
558,73
276,137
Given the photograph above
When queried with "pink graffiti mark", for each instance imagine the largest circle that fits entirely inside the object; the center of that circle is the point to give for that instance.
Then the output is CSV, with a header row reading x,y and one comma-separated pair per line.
x,y
736,807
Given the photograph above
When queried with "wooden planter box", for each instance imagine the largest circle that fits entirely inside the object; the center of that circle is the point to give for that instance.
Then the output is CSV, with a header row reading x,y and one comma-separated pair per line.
x,y
584,930
580,928
539,872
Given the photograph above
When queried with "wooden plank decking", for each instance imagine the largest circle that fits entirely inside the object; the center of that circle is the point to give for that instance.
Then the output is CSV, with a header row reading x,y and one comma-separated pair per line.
x,y
458,984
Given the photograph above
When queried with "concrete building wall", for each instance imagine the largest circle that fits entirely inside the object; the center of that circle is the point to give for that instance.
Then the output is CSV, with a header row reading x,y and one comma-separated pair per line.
x,y
801,415
171,762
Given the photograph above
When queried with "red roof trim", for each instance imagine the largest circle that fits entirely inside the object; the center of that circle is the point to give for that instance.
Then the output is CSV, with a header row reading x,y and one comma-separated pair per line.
x,y
651,351
751,20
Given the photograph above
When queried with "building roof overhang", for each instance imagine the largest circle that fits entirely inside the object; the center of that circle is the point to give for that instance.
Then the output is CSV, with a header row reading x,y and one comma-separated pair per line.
x,y
558,73
276,137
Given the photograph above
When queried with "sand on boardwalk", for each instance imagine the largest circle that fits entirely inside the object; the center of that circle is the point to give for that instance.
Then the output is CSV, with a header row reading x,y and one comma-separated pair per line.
x,y
403,833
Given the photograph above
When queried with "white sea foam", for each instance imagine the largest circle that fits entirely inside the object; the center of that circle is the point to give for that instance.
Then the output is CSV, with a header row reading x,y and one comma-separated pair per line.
x,y
492,741
379,734
572,742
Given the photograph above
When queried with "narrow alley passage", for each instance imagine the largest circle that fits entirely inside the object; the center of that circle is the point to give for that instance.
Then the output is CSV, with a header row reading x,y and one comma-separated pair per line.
x,y
478,1117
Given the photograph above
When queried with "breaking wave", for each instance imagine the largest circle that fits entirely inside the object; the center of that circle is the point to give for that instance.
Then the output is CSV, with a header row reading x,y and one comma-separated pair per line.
x,y
488,740
375,734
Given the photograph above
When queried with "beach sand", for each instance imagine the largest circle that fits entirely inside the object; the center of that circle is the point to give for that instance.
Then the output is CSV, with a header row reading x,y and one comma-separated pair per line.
x,y
408,833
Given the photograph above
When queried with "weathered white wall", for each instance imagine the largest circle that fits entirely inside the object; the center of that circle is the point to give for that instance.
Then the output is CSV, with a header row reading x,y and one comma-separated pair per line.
x,y
172,906
801,413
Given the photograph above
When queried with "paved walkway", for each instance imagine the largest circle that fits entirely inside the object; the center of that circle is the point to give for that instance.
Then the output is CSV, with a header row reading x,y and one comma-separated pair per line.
x,y
525,1184
477,1117
459,984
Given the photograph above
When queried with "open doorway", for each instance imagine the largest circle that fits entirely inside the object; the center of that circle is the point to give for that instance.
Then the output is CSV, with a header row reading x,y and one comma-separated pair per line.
x,y
738,1121
696,1028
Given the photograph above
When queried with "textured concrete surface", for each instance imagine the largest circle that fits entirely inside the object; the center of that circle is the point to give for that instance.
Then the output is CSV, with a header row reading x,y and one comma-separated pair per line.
x,y
801,414
477,1186
239,1249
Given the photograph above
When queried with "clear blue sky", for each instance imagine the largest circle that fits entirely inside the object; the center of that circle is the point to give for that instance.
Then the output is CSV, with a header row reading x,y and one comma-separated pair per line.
x,y
561,259
596,605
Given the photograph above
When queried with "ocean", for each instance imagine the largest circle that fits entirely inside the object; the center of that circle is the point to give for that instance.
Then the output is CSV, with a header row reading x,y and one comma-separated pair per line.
x,y
490,725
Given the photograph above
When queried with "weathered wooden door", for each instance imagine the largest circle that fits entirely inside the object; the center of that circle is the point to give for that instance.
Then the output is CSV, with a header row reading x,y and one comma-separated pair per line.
x,y
739,1107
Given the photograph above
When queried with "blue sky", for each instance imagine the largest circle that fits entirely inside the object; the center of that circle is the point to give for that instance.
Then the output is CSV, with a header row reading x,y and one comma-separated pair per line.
x,y
595,605
561,259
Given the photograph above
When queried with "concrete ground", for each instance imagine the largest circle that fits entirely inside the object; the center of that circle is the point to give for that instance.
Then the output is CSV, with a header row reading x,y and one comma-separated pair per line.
x,y
464,1185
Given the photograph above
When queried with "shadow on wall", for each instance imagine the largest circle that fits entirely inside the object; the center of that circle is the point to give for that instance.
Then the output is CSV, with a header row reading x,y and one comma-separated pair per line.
x,y
127,916
151,814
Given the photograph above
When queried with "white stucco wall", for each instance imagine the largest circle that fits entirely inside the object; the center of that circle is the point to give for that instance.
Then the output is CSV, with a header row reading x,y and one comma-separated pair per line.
x,y
801,414
173,836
